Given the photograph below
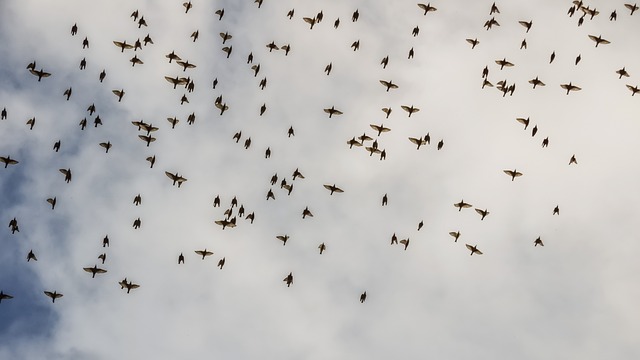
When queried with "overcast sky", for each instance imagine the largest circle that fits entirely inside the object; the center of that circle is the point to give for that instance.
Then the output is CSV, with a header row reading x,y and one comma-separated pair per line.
x,y
574,297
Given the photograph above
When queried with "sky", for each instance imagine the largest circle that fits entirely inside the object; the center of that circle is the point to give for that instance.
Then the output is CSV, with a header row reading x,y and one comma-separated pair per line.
x,y
576,296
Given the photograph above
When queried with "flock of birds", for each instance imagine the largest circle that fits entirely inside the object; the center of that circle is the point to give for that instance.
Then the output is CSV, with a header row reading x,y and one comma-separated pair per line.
x,y
370,143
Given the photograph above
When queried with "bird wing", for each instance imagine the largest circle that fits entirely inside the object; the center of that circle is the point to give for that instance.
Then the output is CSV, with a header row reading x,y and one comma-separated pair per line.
x,y
171,176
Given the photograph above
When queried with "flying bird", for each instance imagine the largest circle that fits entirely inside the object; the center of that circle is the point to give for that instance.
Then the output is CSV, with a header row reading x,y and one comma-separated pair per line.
x,y
288,279
204,253
176,178
67,174
455,234
570,87
409,109
482,213
31,256
53,295
40,73
8,161
388,84
333,188
473,249
94,270
332,111
427,8
537,242
4,296
473,42
513,173
462,205
322,248
124,46
633,89
599,40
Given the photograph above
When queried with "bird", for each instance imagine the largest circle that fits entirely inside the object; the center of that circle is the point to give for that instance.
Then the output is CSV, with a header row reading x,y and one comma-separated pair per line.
x,y
74,29
187,6
427,8
333,188
222,107
53,202
102,75
290,13
537,242
570,87
4,114
7,160
123,45
405,242
152,161
102,257
513,173
106,145
420,225
177,179
573,160
247,143
204,253
482,213
328,68
322,248
473,42
228,50
552,57
455,234
536,82
283,238
135,60
172,56
633,7
462,205
119,94
409,109
534,131
494,9
363,297
380,128
633,89
129,285
411,53
146,138
53,295
310,21
523,121
504,63
622,72
545,142
418,141
4,296
221,263
388,84
194,35
105,241
385,62
332,111
440,144
40,73
599,40
270,195
31,122
220,13
288,279
473,249
180,259
306,212
67,174
556,210
355,16
31,256
578,58
490,23
137,223
94,270
526,24
336,23
85,42
173,121
356,45
67,93
415,31
226,223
